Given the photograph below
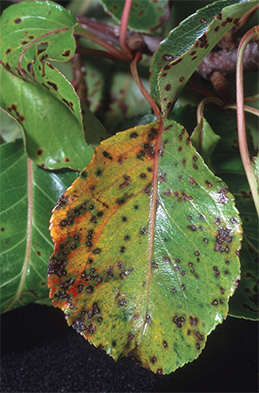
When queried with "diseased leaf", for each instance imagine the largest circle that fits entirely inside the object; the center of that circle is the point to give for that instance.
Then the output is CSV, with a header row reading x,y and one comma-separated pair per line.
x,y
146,248
183,50
50,141
204,139
145,16
27,195
227,163
44,30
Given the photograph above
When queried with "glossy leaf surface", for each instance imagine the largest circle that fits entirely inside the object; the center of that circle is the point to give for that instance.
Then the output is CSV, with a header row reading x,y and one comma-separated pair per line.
x,y
227,163
183,50
144,15
204,139
146,248
51,141
27,195
32,32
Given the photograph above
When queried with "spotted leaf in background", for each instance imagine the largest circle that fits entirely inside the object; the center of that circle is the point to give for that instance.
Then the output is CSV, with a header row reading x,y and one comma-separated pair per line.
x,y
32,32
186,46
144,16
226,162
146,248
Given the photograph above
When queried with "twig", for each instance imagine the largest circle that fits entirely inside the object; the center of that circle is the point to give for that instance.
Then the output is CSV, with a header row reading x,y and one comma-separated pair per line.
x,y
124,26
252,34
79,75
222,60
225,62
134,71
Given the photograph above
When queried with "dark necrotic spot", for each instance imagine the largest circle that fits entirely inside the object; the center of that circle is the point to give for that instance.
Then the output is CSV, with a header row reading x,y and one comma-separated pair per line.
x,y
89,289
39,152
52,85
18,20
165,344
134,135
97,251
66,53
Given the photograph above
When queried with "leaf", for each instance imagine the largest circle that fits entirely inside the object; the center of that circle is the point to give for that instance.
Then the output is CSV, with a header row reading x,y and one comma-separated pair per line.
x,y
27,195
22,54
145,16
186,46
10,129
113,94
227,163
255,167
146,244
204,139
50,141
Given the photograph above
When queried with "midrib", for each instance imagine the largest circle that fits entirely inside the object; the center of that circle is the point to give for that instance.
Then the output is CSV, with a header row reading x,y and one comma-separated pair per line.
x,y
29,233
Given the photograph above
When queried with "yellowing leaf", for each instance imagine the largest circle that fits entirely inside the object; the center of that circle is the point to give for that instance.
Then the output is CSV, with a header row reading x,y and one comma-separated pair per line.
x,y
146,248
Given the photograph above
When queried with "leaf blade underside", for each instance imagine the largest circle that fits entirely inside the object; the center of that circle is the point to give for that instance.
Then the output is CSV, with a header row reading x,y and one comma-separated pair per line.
x,y
156,294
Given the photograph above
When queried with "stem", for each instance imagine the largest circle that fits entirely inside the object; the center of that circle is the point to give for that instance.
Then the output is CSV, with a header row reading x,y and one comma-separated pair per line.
x,y
202,104
124,26
248,109
110,48
134,71
97,52
252,98
200,109
199,89
242,139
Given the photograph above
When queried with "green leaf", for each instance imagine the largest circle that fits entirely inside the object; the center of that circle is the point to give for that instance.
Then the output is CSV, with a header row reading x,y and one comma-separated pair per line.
x,y
227,163
186,46
22,54
50,141
146,244
204,139
10,129
145,16
27,196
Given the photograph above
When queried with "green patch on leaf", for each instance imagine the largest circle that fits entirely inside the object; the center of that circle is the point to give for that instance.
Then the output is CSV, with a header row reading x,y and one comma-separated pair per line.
x,y
27,196
186,46
145,16
146,248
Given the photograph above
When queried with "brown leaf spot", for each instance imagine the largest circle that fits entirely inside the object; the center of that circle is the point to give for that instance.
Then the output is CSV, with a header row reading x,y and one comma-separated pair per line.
x,y
66,53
